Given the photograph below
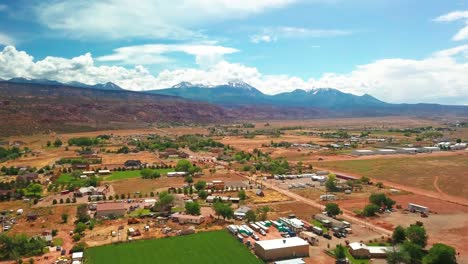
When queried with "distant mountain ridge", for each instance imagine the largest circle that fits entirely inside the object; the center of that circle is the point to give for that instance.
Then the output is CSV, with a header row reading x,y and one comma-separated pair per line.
x,y
99,86
241,93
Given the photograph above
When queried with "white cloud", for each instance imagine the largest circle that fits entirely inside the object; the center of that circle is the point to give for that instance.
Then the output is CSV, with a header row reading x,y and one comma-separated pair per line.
x,y
3,7
206,55
462,34
6,40
116,19
272,34
441,77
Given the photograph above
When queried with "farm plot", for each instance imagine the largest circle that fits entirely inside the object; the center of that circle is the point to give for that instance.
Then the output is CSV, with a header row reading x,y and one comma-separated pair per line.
x,y
205,247
443,174
129,174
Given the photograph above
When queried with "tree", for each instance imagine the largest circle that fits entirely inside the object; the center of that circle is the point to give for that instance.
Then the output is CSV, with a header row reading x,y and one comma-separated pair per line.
x,y
203,194
340,252
58,143
263,212
165,201
380,199
250,216
332,209
241,194
398,257
80,228
183,165
64,218
54,201
34,189
48,143
223,210
200,185
399,235
440,253
414,251
192,208
417,234
370,210
188,179
365,179
330,184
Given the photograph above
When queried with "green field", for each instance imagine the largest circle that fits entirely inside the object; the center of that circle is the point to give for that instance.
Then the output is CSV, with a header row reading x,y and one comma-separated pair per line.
x,y
67,178
414,171
203,248
129,174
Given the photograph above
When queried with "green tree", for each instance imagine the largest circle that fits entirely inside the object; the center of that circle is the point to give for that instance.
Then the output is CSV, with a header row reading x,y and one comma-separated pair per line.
x,y
188,179
330,184
381,200
398,257
48,143
370,210
223,210
417,234
365,179
183,165
64,218
80,228
203,194
399,235
165,201
340,252
34,189
250,216
440,254
241,194
414,251
58,143
192,208
200,185
332,209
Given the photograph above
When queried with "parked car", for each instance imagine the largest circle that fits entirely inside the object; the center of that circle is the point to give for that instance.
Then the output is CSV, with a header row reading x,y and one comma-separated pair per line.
x,y
327,236
337,235
262,232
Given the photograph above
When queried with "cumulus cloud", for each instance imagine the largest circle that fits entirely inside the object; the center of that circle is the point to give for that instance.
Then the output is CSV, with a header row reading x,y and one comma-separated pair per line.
x,y
116,19
6,40
272,34
441,77
206,55
462,34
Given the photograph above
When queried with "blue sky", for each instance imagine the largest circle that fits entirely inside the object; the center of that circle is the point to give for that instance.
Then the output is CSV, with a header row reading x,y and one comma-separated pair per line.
x,y
398,51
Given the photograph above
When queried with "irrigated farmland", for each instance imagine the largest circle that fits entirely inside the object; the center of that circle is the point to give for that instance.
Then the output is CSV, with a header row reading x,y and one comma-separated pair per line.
x,y
206,247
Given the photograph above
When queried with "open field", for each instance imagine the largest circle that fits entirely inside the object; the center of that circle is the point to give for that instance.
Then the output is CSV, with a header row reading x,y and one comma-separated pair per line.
x,y
435,173
205,247
130,174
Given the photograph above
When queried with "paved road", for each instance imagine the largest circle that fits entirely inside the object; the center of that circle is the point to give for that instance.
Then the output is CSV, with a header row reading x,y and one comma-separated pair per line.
x,y
347,215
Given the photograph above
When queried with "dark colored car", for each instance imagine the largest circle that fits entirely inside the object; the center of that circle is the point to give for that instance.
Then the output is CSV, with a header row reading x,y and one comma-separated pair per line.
x,y
327,236
338,235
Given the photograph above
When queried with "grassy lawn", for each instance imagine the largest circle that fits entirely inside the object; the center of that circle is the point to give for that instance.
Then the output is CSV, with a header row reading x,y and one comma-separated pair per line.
x,y
139,212
205,247
130,174
57,241
318,224
412,170
67,178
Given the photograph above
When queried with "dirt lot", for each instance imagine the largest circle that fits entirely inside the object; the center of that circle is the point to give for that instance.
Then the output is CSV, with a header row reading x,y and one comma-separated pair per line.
x,y
271,196
438,173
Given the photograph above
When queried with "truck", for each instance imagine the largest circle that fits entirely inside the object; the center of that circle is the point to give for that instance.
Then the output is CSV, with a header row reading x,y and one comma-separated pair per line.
x,y
254,227
317,230
232,229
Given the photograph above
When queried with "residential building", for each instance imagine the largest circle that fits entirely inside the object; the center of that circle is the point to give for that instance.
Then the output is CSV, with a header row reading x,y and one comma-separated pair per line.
x,y
283,248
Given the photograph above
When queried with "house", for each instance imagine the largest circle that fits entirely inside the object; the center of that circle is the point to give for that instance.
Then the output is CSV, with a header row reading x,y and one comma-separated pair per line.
x,y
47,239
176,174
362,152
110,209
88,173
104,172
27,177
240,213
80,166
291,261
218,185
188,219
90,190
77,256
283,248
360,250
132,163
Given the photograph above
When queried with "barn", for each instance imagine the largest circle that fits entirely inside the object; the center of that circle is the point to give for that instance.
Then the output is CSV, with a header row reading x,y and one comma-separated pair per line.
x,y
283,248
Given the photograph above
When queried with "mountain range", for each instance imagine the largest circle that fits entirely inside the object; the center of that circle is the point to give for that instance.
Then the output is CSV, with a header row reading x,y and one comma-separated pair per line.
x,y
29,105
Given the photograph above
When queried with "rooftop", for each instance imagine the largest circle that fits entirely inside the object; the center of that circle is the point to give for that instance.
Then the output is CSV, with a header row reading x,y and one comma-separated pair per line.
x,y
110,206
282,243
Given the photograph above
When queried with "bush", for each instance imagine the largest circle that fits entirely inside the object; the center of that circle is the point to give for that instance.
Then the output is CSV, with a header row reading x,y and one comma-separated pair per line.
x,y
54,201
77,237
370,210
